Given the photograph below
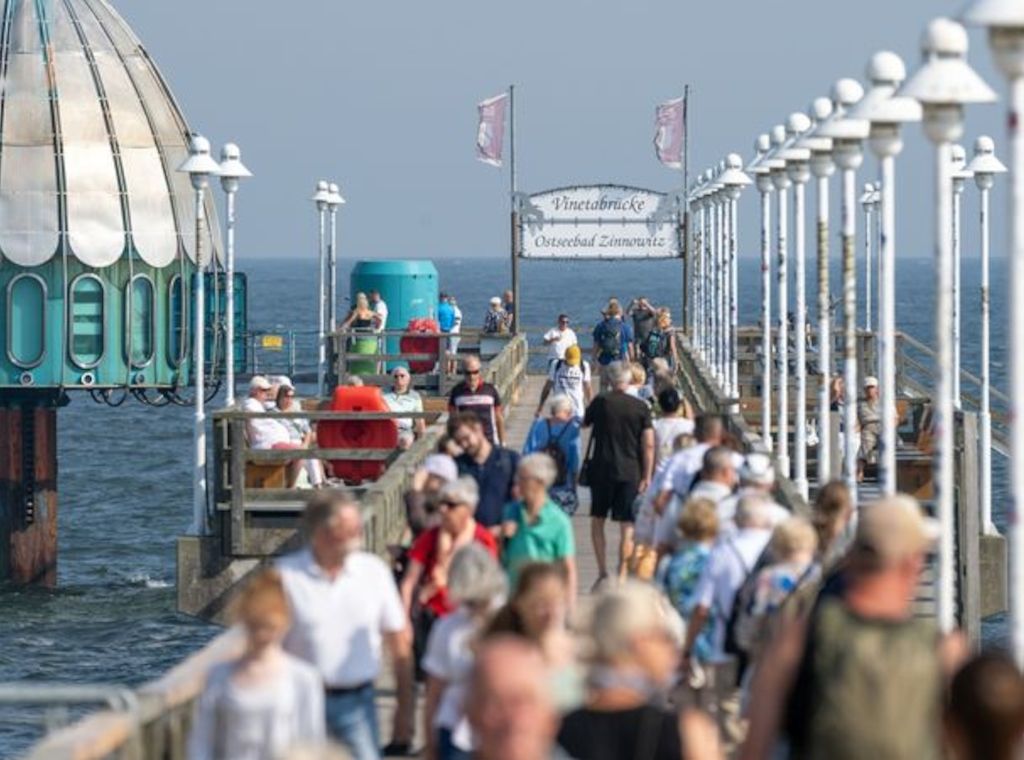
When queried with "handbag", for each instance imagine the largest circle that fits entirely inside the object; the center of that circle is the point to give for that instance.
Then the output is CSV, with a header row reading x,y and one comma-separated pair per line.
x,y
586,476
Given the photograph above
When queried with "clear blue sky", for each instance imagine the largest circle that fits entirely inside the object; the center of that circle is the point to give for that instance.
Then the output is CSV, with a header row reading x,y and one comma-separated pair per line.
x,y
381,97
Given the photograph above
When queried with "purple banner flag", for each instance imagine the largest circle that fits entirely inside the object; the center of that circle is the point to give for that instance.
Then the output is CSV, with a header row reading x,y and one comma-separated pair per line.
x,y
670,126
490,134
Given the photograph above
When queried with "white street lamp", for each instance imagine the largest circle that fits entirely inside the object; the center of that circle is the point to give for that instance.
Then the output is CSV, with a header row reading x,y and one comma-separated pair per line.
x,y
199,167
887,112
782,183
332,206
322,198
943,85
847,135
984,167
960,177
700,271
763,179
867,202
822,167
721,290
799,170
734,181
232,170
1005,22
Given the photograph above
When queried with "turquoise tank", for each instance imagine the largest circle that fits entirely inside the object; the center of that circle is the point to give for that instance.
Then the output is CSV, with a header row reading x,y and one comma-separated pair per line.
x,y
408,287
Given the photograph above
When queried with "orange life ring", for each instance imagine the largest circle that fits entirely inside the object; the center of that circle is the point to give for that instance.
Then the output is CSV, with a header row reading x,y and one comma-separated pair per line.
x,y
415,344
358,434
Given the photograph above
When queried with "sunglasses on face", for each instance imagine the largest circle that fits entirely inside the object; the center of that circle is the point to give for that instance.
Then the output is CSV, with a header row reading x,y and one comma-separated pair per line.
x,y
470,372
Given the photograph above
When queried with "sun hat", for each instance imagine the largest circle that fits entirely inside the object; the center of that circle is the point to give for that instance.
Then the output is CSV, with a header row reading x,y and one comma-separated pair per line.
x,y
495,301
894,528
757,470
258,382
573,356
442,466
870,382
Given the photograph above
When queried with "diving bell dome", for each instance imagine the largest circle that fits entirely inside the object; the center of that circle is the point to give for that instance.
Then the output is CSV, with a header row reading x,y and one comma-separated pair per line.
x,y
90,137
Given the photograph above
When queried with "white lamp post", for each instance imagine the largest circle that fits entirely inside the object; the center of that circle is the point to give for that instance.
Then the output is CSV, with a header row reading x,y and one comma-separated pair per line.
x,y
200,167
722,288
232,170
799,171
1005,22
847,135
332,206
887,112
763,179
700,271
822,167
960,177
322,198
867,202
943,85
984,168
782,183
734,181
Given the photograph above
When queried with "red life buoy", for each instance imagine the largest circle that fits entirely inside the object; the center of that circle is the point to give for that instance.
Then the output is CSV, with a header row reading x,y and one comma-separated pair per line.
x,y
358,434
416,344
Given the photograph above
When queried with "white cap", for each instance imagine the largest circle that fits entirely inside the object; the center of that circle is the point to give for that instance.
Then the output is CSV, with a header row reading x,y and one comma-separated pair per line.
x,y
442,466
757,470
496,300
259,382
282,380
870,382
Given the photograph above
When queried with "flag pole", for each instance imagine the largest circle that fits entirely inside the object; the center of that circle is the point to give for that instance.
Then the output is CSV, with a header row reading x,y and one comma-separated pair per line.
x,y
687,264
514,236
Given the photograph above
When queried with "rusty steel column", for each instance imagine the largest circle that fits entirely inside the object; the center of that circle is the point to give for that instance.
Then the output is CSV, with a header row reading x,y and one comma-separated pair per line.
x,y
28,490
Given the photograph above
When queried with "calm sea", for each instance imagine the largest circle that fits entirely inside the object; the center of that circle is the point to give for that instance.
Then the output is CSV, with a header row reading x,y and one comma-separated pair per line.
x,y
125,492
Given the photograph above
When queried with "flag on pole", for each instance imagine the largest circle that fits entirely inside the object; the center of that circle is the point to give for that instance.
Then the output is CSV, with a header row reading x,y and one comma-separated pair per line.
x,y
670,128
490,134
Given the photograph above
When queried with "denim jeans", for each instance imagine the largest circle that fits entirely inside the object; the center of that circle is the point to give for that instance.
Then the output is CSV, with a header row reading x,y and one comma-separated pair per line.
x,y
352,720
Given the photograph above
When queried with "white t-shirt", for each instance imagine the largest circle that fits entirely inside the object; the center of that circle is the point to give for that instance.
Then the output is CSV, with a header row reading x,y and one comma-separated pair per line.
x,y
457,323
381,310
683,468
337,625
560,340
449,657
730,561
666,430
570,381
264,432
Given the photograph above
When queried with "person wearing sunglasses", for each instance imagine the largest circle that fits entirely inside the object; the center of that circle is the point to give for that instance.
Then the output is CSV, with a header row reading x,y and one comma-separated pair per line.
x,y
402,398
481,398
558,339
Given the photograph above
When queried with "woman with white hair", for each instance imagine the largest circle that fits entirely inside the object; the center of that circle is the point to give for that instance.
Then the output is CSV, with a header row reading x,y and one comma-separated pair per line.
x,y
636,638
424,588
536,529
557,434
477,584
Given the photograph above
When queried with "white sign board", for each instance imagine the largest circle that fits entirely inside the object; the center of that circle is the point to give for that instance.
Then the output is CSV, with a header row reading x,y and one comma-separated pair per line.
x,y
599,222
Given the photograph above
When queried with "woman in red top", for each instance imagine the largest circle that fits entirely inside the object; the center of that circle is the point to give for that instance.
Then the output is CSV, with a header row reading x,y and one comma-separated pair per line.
x,y
426,579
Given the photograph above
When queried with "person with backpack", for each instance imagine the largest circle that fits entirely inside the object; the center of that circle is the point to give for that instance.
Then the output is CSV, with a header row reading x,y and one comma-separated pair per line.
x,y
657,343
569,376
731,562
613,338
558,436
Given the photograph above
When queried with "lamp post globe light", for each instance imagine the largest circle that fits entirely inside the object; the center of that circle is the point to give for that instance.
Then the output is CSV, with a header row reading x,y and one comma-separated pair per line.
x,y
985,166
867,202
822,167
847,134
763,181
321,198
887,112
1005,22
943,85
332,206
232,171
960,177
782,183
200,167
734,181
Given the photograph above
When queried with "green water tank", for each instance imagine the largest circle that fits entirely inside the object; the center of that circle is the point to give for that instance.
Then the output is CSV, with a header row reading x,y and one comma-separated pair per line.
x,y
409,288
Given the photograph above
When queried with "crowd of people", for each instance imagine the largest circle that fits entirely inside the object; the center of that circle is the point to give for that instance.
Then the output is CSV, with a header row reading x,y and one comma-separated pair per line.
x,y
725,626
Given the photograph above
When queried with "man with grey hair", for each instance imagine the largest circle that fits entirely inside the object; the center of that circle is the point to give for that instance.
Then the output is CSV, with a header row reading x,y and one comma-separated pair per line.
x,y
620,465
345,608
731,560
757,476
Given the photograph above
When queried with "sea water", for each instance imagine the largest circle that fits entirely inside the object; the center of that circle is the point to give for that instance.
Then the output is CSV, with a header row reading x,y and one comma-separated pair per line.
x,y
124,473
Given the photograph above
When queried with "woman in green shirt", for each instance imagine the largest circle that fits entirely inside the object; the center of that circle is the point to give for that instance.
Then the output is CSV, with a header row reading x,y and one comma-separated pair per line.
x,y
535,529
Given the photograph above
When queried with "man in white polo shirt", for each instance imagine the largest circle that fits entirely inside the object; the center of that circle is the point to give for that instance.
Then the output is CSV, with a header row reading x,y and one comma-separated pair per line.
x,y
345,605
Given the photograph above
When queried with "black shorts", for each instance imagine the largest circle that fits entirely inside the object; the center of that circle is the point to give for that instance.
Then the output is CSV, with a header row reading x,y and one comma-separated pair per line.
x,y
613,498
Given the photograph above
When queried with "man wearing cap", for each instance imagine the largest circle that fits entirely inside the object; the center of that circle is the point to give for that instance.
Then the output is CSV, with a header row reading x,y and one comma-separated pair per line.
x,y
402,398
569,376
869,418
861,676
266,432
558,339
757,476
421,500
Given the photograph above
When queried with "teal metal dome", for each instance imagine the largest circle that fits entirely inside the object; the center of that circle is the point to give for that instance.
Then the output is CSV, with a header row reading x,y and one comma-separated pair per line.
x,y
97,229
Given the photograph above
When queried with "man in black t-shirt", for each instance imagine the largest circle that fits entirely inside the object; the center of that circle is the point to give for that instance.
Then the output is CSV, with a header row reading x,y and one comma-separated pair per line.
x,y
483,399
621,462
